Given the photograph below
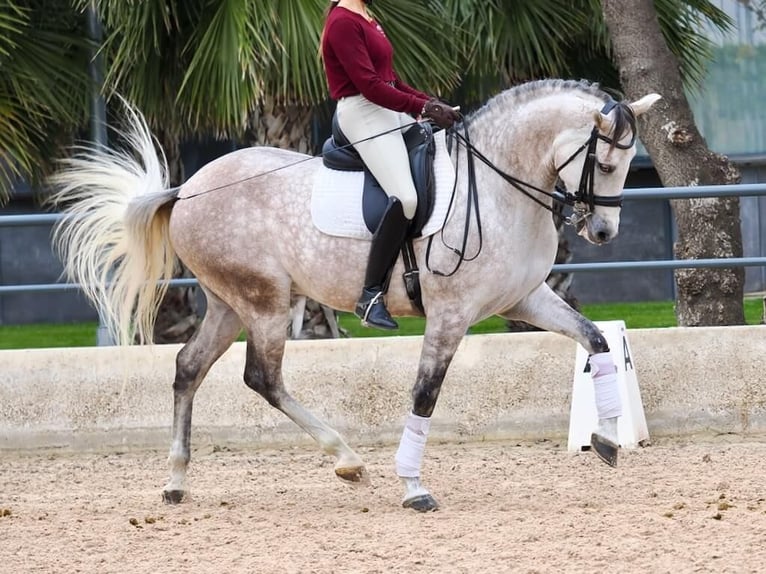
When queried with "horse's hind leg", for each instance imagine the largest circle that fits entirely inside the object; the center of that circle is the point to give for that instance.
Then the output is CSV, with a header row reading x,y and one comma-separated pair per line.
x,y
544,309
263,374
217,332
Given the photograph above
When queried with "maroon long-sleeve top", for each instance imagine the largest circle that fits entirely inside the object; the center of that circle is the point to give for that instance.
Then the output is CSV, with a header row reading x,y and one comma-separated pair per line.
x,y
358,59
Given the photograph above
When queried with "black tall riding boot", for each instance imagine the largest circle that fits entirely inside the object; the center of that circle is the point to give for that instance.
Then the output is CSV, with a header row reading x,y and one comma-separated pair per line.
x,y
386,243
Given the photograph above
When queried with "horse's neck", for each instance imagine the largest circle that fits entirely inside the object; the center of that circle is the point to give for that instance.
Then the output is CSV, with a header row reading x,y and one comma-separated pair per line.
x,y
519,144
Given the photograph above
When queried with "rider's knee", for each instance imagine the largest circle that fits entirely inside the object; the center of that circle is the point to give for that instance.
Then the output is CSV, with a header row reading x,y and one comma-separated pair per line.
x,y
409,205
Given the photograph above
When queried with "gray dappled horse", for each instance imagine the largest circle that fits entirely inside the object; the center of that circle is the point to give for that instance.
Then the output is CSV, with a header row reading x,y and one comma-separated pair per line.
x,y
242,225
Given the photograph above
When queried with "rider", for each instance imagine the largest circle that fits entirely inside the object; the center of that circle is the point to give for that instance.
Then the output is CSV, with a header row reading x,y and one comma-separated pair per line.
x,y
371,100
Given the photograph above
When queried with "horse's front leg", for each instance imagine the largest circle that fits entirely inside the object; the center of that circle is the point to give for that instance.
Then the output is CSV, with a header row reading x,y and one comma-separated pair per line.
x,y
440,342
544,309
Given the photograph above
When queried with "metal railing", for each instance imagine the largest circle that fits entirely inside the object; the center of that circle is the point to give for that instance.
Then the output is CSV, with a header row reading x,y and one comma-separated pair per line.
x,y
740,190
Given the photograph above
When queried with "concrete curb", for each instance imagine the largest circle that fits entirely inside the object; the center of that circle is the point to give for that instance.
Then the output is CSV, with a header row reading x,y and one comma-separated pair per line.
x,y
503,386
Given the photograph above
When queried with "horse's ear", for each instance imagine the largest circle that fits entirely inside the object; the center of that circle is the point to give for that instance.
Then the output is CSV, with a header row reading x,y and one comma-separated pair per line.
x,y
641,106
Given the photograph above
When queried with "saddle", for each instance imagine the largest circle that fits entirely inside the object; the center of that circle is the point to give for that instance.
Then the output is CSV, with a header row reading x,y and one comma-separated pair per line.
x,y
339,154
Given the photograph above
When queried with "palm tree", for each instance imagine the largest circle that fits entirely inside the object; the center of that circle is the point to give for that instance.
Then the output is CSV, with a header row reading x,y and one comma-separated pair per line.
x,y
199,67
43,85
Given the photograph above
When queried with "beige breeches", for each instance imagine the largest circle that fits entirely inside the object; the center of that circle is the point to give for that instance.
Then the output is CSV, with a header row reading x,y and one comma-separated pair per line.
x,y
385,156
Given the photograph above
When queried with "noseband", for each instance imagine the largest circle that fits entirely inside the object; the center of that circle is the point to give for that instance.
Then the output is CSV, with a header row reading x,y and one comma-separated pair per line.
x,y
584,196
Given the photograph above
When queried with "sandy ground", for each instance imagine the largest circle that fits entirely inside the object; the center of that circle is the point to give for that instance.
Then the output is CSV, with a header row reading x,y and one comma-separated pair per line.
x,y
697,505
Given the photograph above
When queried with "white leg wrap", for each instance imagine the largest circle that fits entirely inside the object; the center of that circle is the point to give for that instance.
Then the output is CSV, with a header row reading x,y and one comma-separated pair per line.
x,y
604,373
409,457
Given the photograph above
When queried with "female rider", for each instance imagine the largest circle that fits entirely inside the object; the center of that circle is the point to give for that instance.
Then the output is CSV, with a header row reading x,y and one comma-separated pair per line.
x,y
372,102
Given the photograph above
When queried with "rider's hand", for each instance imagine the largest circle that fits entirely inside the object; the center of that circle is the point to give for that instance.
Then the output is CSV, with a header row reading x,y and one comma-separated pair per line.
x,y
440,113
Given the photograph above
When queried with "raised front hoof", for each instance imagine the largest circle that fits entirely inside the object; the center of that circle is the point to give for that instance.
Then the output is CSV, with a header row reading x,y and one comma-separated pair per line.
x,y
422,503
355,475
605,449
173,496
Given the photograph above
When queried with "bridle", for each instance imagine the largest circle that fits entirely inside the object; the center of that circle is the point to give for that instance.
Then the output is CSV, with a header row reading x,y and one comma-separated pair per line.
x,y
583,201
584,196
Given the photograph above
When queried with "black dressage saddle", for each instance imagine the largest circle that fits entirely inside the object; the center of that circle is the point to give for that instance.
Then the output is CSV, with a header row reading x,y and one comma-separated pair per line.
x,y
339,154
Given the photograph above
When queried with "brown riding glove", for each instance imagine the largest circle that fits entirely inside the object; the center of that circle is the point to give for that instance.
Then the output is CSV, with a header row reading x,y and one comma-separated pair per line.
x,y
440,113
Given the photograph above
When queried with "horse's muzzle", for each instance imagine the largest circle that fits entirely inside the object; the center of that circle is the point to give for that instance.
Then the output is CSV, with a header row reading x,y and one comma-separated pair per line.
x,y
597,230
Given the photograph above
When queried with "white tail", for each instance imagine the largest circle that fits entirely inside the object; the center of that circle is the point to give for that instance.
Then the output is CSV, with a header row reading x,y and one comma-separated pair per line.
x,y
114,239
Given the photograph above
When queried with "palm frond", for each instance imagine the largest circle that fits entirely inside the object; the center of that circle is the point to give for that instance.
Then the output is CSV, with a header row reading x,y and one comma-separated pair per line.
x,y
43,85
428,52
512,40
214,90
684,25
507,41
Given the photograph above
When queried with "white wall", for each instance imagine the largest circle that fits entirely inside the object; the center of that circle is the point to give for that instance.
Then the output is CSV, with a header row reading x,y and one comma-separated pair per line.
x,y
506,386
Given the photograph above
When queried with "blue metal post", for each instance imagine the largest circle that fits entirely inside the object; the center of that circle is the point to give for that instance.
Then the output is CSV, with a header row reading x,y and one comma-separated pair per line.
x,y
98,135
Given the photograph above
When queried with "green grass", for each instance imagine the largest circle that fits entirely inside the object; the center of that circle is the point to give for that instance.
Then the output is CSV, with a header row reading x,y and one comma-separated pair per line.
x,y
655,314
47,335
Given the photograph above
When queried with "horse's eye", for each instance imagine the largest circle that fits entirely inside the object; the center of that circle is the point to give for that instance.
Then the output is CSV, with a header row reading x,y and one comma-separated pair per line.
x,y
605,167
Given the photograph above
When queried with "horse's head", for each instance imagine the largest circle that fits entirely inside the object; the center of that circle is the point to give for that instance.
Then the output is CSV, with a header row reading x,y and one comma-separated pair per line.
x,y
594,161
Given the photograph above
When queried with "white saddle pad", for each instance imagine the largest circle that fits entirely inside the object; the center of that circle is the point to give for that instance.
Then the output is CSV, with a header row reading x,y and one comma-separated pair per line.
x,y
336,198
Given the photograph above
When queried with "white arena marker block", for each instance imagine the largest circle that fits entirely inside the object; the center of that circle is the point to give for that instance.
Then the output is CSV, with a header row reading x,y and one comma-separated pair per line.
x,y
583,420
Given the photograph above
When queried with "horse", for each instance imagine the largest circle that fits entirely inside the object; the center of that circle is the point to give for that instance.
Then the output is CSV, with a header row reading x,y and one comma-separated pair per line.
x,y
242,225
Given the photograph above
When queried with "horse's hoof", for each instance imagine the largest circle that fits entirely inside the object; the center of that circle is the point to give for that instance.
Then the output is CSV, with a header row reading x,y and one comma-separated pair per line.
x,y
605,449
173,496
356,475
422,503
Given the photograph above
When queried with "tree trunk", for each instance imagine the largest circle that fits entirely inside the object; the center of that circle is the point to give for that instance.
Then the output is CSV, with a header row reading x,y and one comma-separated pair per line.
x,y
282,126
707,228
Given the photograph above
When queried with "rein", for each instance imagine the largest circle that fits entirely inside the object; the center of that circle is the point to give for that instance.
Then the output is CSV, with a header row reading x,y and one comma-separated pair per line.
x,y
293,164
583,196
584,193
472,203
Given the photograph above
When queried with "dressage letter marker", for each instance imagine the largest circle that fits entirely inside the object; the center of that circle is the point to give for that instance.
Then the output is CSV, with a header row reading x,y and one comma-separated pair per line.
x,y
631,426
